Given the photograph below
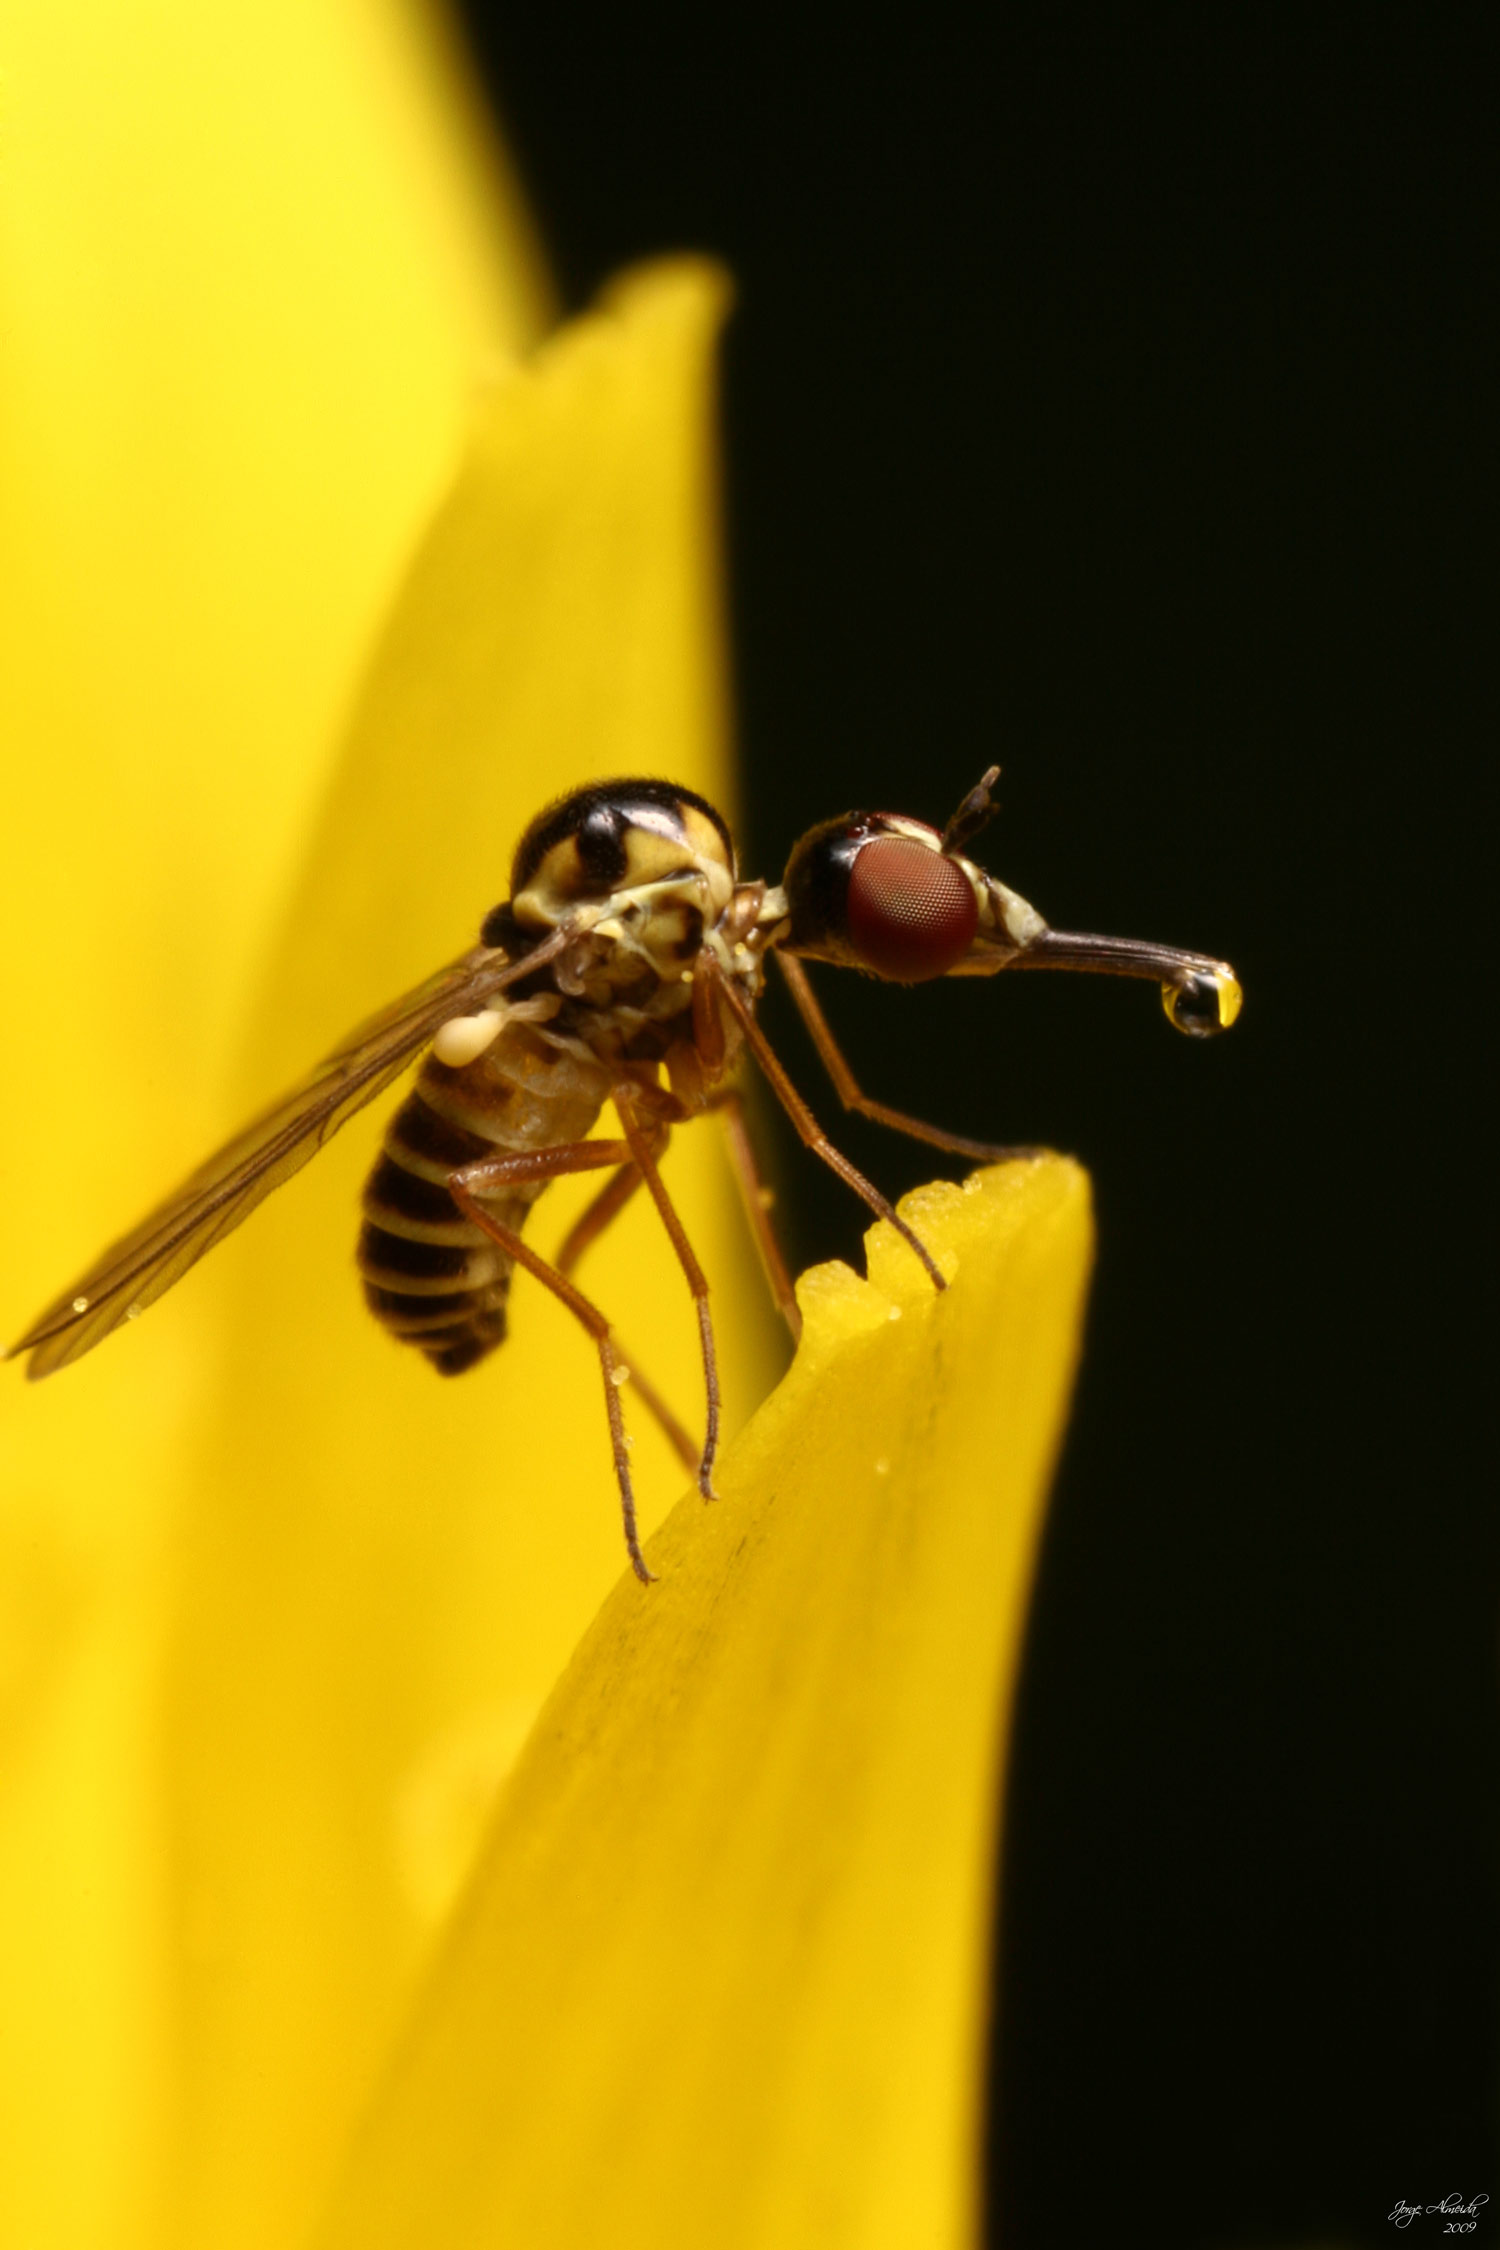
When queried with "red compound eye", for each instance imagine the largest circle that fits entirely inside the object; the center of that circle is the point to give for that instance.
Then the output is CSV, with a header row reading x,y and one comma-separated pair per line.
x,y
911,913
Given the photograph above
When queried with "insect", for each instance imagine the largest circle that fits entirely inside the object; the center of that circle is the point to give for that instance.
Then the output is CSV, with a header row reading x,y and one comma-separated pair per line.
x,y
624,967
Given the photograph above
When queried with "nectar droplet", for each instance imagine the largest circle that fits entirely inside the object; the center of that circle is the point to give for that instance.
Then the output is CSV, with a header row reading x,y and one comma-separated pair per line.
x,y
1203,1004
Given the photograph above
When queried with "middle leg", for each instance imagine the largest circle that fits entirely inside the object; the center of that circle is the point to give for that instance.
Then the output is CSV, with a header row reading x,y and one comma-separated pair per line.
x,y
647,1137
526,1166
729,1103
585,1231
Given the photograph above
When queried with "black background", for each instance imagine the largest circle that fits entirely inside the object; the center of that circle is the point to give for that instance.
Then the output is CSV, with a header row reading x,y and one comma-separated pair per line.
x,y
1097,403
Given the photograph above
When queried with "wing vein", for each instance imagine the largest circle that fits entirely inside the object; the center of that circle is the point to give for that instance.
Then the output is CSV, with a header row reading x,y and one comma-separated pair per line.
x,y
143,1264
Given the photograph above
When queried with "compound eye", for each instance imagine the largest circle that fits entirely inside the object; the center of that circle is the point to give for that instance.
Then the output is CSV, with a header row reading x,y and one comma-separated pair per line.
x,y
911,914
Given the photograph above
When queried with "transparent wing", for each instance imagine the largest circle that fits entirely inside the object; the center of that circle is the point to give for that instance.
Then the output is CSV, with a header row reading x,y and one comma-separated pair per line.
x,y
133,1272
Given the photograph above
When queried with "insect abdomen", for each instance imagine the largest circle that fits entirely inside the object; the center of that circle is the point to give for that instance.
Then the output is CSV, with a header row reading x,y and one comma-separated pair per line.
x,y
431,1276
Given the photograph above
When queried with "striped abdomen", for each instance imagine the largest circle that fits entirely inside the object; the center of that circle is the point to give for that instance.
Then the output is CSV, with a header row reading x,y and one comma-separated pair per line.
x,y
433,1277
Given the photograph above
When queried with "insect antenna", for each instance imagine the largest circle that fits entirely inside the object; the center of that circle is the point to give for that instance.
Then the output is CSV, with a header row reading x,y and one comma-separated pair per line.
x,y
975,813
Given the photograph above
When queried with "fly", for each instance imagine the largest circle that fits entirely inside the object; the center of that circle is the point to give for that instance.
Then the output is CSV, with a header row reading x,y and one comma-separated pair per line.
x,y
624,967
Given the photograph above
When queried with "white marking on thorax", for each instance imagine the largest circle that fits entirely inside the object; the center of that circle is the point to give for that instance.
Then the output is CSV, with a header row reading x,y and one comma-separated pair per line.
x,y
463,1039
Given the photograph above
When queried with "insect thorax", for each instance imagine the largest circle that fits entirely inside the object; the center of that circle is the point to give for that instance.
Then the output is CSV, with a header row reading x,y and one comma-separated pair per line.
x,y
647,871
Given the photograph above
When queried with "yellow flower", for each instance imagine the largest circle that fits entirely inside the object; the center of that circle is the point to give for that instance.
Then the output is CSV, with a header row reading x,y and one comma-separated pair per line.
x,y
722,1976
276,1609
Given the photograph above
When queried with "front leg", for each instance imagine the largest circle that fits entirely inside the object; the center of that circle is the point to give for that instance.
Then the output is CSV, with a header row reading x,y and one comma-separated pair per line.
x,y
848,1088
808,1130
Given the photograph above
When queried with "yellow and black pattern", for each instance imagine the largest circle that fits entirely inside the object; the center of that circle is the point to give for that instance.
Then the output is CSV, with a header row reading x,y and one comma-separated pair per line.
x,y
611,838
431,1276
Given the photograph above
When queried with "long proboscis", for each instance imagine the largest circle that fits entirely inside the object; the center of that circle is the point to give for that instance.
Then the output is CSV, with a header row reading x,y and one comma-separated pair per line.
x,y
1201,995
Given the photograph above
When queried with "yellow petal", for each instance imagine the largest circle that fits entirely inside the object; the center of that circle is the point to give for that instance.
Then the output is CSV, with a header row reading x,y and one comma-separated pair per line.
x,y
248,261
252,266
386,1572
722,1975
251,262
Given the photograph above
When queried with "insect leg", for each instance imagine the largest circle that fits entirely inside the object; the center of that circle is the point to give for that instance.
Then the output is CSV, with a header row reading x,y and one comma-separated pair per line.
x,y
585,1231
492,1172
730,1104
645,1143
847,1085
809,1131
606,1206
